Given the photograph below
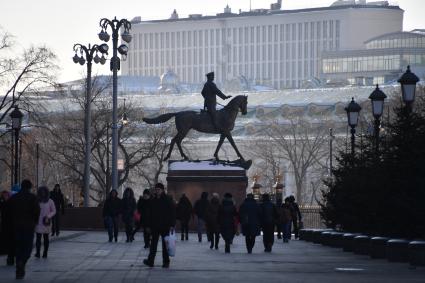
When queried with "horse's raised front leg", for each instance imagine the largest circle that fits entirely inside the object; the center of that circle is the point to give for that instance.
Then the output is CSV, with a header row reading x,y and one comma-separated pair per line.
x,y
173,141
232,142
180,136
220,143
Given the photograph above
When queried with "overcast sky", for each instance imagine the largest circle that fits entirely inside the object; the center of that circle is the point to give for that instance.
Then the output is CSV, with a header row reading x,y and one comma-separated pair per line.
x,y
59,24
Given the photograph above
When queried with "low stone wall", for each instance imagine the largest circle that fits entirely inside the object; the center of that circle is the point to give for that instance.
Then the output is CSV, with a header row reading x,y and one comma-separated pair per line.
x,y
90,218
82,218
394,250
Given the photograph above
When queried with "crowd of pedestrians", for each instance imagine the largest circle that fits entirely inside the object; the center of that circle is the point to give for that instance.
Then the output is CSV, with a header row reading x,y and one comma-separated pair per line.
x,y
157,214
24,215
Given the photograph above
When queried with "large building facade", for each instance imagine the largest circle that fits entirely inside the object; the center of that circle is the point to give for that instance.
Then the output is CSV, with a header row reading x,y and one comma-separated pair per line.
x,y
382,60
279,48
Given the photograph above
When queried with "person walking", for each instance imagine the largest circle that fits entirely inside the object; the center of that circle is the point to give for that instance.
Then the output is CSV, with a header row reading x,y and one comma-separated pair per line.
x,y
226,219
296,216
286,220
200,207
268,219
128,209
249,216
161,219
7,241
211,221
57,197
24,212
279,223
143,207
44,225
111,212
184,212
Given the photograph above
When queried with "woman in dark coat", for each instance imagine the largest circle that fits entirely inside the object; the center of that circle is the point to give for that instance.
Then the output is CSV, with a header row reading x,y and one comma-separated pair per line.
x,y
226,219
6,229
286,220
111,211
211,218
184,212
249,215
268,220
128,209
143,207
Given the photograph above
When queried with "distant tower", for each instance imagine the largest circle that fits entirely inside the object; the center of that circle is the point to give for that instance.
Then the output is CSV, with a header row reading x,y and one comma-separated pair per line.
x,y
227,10
276,6
174,15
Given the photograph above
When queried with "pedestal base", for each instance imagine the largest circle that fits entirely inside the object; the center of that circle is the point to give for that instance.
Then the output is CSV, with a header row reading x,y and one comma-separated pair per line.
x,y
192,178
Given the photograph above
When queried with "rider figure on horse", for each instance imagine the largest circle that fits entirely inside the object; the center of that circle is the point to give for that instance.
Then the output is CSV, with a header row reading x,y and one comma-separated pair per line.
x,y
209,93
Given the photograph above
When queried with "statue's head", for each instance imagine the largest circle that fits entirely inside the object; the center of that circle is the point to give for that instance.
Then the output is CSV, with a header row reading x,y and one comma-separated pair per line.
x,y
244,105
210,76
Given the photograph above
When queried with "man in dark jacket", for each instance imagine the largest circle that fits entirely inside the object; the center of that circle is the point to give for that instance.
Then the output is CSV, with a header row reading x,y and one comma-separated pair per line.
x,y
161,219
24,210
249,215
6,230
200,209
268,219
211,221
226,218
296,216
209,93
111,211
143,207
184,212
57,197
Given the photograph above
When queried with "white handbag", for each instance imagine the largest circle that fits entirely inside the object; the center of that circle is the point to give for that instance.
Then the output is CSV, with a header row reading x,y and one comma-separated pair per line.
x,y
170,242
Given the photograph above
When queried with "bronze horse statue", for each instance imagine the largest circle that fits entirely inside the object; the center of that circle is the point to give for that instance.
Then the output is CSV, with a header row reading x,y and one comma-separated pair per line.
x,y
202,122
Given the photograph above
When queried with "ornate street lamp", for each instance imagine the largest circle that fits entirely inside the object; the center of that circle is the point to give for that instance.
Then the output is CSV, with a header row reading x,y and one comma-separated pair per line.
x,y
256,188
16,116
408,87
278,188
377,98
353,110
87,55
115,26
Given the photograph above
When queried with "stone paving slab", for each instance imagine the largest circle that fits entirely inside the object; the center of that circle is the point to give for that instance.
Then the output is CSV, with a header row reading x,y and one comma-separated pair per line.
x,y
77,256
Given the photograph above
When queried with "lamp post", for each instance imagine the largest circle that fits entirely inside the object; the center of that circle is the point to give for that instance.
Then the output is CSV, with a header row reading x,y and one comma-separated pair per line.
x,y
256,188
16,116
353,110
115,25
331,139
87,55
408,88
278,187
377,98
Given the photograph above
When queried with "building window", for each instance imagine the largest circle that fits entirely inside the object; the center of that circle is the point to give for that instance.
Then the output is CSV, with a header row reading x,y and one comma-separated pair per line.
x,y
240,35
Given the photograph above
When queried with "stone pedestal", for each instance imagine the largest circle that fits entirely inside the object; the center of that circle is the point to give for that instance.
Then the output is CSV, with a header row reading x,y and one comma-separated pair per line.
x,y
193,178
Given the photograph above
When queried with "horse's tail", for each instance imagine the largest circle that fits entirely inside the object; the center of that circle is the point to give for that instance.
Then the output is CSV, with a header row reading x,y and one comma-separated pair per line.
x,y
160,119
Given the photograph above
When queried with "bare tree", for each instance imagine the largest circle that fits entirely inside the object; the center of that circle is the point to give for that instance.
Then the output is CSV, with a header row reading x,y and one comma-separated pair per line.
x,y
151,169
20,74
303,146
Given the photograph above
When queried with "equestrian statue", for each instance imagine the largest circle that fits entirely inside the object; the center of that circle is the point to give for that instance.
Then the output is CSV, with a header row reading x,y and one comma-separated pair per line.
x,y
208,120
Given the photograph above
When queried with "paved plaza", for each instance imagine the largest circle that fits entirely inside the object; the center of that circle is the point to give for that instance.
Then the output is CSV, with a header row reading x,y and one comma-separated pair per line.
x,y
78,256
